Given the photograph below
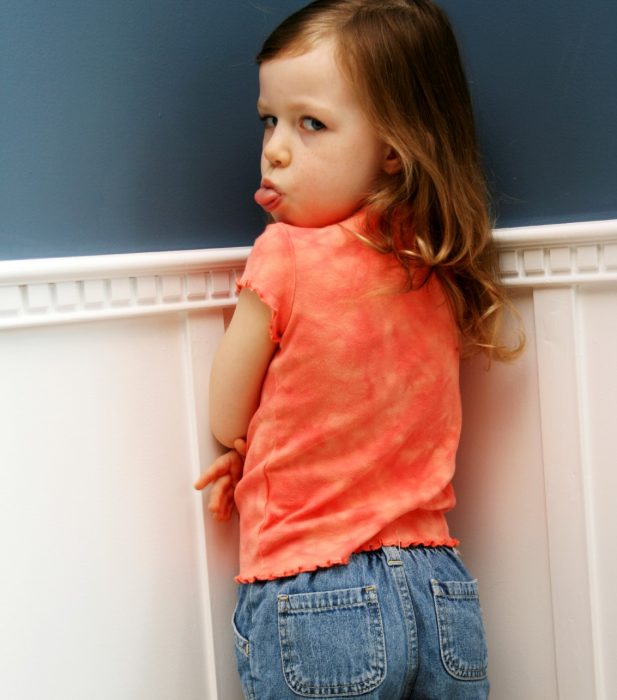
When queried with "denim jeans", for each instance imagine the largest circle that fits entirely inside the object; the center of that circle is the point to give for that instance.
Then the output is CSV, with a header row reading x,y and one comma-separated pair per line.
x,y
394,623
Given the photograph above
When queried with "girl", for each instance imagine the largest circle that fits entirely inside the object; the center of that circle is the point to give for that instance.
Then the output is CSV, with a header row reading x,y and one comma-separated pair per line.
x,y
340,364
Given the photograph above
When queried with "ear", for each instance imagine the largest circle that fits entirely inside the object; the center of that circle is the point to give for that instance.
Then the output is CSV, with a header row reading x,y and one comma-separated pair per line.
x,y
392,161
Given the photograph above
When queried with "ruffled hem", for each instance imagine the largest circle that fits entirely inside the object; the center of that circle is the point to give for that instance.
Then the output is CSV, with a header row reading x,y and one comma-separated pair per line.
x,y
269,301
369,547
291,572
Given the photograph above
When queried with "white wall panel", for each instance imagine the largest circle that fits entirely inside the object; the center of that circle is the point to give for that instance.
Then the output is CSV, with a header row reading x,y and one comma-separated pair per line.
x,y
100,532
204,332
598,346
113,586
500,519
117,584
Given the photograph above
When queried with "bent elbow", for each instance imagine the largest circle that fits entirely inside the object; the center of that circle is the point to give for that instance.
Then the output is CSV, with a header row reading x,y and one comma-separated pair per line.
x,y
227,423
225,437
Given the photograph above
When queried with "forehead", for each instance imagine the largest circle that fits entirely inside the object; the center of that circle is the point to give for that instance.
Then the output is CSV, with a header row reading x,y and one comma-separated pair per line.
x,y
313,73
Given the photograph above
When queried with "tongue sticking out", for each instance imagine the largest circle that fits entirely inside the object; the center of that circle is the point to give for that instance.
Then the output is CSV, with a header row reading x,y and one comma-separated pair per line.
x,y
267,198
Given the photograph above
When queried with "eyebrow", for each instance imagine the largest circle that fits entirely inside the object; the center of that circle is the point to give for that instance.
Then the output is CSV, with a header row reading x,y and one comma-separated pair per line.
x,y
304,106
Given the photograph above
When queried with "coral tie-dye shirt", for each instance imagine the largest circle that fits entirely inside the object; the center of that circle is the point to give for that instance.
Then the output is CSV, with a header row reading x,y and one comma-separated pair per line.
x,y
353,444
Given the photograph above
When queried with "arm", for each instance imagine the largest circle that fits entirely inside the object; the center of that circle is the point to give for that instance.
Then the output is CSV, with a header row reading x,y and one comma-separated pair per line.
x,y
239,368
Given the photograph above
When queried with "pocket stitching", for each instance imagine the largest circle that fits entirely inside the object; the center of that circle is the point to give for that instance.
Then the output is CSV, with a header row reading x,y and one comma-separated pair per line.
x,y
242,644
369,601
456,667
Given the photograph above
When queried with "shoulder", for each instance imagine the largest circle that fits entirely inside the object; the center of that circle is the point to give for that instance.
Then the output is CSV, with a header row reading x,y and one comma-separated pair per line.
x,y
272,253
302,248
282,244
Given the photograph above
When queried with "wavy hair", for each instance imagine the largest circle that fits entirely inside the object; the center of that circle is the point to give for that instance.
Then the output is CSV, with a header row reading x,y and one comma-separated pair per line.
x,y
402,59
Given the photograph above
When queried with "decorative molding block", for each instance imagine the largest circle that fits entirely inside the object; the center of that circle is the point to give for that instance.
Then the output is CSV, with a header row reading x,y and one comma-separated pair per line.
x,y
146,289
221,284
62,290
610,256
558,255
67,295
10,300
38,297
69,290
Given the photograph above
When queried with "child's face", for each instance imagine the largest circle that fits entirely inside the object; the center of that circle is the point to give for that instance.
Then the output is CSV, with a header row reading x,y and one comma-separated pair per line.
x,y
320,155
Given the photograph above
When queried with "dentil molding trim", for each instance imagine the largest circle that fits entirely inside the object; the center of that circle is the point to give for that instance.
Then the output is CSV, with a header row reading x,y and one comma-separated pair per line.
x,y
61,290
558,255
64,290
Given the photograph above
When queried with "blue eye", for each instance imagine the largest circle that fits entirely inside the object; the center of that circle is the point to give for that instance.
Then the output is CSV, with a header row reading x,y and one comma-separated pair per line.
x,y
311,124
269,121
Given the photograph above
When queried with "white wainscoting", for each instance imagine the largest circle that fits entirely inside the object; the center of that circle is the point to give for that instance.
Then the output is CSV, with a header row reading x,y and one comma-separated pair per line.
x,y
117,585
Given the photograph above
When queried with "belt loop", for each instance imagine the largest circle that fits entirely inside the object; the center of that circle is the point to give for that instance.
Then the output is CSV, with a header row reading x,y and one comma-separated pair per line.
x,y
393,556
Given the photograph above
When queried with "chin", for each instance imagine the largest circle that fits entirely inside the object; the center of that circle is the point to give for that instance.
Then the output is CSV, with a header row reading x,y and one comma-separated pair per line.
x,y
310,220
312,217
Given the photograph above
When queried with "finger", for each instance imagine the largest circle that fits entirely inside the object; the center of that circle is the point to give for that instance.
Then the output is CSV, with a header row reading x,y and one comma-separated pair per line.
x,y
220,517
240,446
236,471
236,466
217,469
210,476
222,514
226,503
224,510
218,491
229,507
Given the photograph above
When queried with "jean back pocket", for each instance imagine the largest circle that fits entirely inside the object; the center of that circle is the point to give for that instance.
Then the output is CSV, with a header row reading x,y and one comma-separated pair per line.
x,y
461,631
243,660
332,642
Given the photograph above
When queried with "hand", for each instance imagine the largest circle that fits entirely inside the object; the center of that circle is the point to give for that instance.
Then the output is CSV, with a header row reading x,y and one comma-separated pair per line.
x,y
224,473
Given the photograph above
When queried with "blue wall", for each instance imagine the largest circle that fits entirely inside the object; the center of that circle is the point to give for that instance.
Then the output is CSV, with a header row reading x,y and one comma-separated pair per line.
x,y
129,125
543,75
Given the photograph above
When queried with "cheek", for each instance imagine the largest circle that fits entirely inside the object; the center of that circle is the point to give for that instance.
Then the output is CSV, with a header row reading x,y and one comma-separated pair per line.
x,y
374,157
362,157
359,175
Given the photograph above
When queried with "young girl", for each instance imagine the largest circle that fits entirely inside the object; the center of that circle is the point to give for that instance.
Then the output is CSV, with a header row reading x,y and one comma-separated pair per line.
x,y
340,365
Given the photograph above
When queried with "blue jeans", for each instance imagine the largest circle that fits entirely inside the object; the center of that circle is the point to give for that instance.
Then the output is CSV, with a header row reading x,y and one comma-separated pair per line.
x,y
394,623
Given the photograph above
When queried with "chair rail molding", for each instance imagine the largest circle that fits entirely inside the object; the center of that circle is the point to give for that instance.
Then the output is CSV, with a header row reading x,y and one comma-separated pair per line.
x,y
143,387
91,288
555,255
61,290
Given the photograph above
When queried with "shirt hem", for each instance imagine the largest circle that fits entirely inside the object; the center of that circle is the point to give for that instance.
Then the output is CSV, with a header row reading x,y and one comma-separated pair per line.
x,y
371,547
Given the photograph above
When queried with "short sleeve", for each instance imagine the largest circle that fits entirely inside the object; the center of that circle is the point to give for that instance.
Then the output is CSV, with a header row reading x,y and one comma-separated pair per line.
x,y
270,273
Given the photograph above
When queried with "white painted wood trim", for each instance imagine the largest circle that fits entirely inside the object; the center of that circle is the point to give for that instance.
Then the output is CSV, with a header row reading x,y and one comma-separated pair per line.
x,y
129,265
214,665
552,261
558,255
70,290
62,290
557,327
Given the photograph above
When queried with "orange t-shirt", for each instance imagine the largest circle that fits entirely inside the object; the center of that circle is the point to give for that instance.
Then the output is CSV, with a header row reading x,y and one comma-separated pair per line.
x,y
353,444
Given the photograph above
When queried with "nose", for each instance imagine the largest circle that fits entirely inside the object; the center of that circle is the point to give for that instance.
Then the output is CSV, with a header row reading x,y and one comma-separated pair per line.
x,y
276,148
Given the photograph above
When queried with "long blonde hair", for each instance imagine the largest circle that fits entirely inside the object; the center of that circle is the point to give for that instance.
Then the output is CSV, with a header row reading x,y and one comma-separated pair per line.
x,y
402,58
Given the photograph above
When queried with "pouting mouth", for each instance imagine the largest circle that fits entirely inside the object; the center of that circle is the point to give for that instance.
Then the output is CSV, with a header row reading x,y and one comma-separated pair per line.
x,y
267,196
269,185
